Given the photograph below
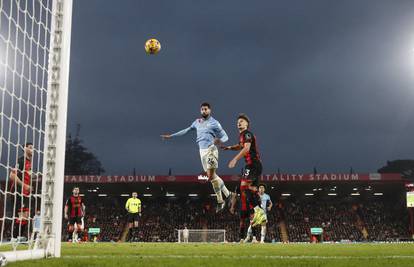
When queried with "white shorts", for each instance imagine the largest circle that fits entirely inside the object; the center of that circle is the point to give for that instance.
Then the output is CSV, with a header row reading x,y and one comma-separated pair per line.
x,y
209,158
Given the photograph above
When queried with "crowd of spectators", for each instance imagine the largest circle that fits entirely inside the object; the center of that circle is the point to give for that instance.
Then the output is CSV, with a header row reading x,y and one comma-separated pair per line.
x,y
340,219
336,218
347,219
384,221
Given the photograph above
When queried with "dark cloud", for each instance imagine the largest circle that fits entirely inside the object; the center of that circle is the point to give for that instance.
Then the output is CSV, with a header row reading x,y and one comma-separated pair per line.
x,y
327,84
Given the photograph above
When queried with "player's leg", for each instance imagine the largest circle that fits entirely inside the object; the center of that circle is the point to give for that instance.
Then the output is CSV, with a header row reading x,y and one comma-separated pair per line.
x,y
263,229
79,228
210,165
253,173
136,224
207,162
16,230
35,238
75,232
252,201
249,234
70,230
214,154
222,186
25,231
263,233
25,223
32,236
215,182
252,178
18,213
242,228
130,222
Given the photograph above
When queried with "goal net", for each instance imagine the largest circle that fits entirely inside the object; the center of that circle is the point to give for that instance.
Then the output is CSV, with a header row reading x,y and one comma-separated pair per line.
x,y
201,235
34,71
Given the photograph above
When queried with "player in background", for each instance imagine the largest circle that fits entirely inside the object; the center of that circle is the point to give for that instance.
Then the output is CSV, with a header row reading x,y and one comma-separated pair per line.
x,y
74,213
248,149
209,134
37,222
266,204
133,207
20,181
20,187
185,234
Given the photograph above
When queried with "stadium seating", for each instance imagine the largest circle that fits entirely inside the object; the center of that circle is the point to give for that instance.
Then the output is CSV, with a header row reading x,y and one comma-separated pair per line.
x,y
341,219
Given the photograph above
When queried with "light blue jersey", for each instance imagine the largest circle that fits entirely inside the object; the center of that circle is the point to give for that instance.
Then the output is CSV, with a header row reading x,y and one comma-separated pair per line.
x,y
207,130
264,199
37,220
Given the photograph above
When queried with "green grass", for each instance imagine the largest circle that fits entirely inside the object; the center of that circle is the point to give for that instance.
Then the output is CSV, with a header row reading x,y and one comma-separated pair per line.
x,y
171,254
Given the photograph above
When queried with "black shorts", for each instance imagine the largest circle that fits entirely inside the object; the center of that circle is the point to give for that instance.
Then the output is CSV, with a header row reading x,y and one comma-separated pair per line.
x,y
245,214
76,219
17,203
133,217
252,172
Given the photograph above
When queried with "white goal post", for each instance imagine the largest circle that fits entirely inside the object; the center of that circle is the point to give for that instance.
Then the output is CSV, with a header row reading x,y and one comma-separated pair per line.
x,y
34,75
201,235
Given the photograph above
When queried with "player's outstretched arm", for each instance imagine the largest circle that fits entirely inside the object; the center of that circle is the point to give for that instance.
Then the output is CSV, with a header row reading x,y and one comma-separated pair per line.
x,y
179,133
165,136
233,147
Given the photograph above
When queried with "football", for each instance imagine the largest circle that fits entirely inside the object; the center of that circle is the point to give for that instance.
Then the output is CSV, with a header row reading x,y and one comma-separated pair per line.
x,y
152,46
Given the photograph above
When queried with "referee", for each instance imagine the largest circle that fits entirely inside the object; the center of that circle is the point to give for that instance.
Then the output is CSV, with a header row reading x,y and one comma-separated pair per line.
x,y
133,207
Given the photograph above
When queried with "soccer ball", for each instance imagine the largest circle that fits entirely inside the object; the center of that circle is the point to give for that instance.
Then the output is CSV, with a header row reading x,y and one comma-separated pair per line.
x,y
152,46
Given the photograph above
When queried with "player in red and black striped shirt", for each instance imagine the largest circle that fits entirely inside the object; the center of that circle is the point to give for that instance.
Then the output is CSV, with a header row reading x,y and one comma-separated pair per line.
x,y
248,149
74,212
253,169
21,178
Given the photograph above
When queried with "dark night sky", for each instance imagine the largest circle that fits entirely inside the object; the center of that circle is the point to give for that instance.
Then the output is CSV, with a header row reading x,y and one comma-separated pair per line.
x,y
326,83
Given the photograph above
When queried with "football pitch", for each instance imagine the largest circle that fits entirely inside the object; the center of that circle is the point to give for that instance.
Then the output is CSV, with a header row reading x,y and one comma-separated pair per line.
x,y
173,254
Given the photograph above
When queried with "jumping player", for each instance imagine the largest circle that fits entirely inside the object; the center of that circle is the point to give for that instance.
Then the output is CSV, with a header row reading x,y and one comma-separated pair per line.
x,y
74,213
209,134
253,169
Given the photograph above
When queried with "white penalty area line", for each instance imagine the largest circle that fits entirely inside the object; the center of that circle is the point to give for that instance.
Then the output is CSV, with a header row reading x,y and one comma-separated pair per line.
x,y
275,257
